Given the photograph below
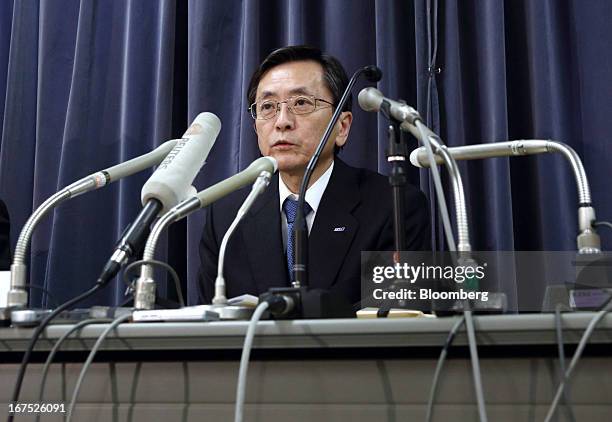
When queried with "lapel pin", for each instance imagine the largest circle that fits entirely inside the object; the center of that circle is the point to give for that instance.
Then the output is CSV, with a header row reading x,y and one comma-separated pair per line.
x,y
339,229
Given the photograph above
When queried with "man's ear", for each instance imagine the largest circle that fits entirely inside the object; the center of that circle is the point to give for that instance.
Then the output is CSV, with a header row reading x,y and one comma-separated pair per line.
x,y
343,128
254,127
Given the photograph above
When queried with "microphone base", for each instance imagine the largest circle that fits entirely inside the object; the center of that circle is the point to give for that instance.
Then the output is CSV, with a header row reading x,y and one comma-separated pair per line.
x,y
33,317
232,312
5,316
309,303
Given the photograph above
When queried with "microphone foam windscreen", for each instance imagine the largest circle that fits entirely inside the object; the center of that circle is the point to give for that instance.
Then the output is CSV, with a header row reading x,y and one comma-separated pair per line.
x,y
373,73
171,182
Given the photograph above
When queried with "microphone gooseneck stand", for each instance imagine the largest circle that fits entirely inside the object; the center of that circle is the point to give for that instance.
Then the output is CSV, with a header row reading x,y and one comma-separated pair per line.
x,y
300,230
464,253
412,122
17,296
144,297
587,241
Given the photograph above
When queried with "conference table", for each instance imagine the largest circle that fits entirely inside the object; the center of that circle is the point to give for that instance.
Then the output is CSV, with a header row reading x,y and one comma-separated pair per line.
x,y
317,370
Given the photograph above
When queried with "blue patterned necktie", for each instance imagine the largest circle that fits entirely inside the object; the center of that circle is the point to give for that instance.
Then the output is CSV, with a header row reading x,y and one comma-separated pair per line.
x,y
290,207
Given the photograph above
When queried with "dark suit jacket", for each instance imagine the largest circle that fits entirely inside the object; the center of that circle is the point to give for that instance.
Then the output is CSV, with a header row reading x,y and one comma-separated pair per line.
x,y
357,199
5,257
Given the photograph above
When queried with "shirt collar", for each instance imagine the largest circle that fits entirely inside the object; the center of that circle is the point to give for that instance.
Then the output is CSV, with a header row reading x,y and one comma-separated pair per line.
x,y
313,194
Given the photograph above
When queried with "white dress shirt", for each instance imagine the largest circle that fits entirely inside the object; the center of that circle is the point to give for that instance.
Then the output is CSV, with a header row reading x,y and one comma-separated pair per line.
x,y
313,196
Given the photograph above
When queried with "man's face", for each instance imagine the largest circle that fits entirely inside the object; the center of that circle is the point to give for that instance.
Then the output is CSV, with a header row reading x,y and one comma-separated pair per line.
x,y
292,139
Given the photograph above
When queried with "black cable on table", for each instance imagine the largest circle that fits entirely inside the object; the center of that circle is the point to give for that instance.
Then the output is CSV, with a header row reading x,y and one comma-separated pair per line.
x,y
37,332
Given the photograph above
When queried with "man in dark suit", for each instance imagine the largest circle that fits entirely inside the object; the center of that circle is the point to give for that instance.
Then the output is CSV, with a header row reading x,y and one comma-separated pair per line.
x,y
5,257
349,210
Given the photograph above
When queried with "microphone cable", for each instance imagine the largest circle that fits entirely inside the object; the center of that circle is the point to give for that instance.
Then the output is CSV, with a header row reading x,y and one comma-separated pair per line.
x,y
56,348
244,360
37,332
471,333
581,345
469,323
441,359
446,224
606,224
561,350
113,325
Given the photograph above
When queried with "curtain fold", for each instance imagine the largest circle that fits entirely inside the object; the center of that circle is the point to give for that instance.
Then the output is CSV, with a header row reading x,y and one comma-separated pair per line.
x,y
87,88
87,84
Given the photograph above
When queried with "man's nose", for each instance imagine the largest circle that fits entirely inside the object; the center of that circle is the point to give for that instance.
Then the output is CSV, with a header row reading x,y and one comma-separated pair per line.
x,y
284,118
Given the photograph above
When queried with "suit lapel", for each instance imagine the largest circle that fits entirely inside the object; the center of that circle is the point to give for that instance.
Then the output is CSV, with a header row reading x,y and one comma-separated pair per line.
x,y
263,240
334,227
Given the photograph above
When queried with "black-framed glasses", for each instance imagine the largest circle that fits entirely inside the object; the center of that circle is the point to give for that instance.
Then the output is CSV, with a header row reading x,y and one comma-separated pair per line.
x,y
299,104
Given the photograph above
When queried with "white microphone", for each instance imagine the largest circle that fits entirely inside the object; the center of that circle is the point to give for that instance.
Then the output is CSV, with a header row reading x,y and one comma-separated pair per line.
x,y
18,296
171,182
144,297
169,185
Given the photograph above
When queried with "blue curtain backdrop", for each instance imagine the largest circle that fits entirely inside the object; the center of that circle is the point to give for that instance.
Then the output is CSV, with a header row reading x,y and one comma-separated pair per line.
x,y
86,84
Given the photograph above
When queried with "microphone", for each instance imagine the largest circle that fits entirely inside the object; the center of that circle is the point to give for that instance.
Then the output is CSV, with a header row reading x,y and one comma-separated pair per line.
x,y
169,184
262,182
418,157
372,73
17,295
144,297
588,240
235,182
371,99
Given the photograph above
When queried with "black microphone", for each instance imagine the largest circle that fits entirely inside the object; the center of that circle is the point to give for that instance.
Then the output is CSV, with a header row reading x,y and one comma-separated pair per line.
x,y
300,230
169,184
372,73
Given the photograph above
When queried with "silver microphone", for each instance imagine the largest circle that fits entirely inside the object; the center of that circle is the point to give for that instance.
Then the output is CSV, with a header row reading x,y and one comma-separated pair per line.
x,y
262,182
371,99
144,297
588,240
17,295
418,157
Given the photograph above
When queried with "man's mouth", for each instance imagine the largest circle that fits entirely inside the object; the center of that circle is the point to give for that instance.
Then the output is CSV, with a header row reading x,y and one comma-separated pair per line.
x,y
282,144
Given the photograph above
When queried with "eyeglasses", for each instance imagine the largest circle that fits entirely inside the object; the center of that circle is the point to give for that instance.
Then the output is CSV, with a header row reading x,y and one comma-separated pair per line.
x,y
301,104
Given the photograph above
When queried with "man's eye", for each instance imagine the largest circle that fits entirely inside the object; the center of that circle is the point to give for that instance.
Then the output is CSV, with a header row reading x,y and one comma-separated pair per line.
x,y
300,102
266,106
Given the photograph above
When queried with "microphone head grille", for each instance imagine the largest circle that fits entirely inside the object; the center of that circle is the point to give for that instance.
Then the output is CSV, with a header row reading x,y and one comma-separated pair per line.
x,y
369,99
372,73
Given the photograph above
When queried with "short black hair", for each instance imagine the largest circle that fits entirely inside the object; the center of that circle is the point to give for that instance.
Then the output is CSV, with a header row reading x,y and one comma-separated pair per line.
x,y
334,74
